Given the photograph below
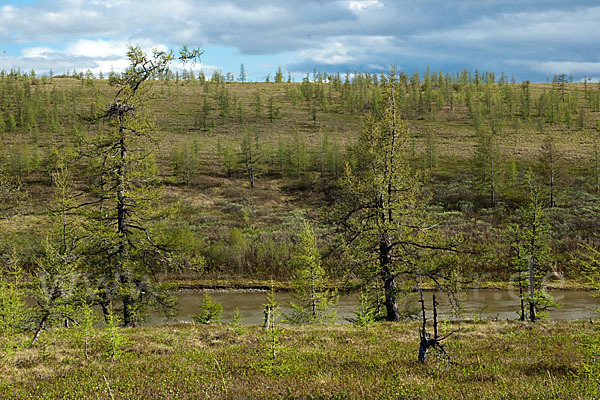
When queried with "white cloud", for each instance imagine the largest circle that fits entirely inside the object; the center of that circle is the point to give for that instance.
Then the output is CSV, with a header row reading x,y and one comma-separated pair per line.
x,y
516,29
566,67
38,52
331,53
96,48
83,55
361,5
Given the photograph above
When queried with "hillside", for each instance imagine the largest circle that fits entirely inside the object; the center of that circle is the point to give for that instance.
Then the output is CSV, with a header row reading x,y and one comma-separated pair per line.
x,y
302,133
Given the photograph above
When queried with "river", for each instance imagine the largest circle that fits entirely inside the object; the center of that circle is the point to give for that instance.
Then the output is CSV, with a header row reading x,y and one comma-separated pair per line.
x,y
482,304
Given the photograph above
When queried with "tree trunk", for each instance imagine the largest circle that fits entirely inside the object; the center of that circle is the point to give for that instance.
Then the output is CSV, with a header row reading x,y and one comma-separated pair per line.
x,y
596,167
391,300
122,228
389,280
268,314
40,327
522,302
531,290
127,301
492,186
105,305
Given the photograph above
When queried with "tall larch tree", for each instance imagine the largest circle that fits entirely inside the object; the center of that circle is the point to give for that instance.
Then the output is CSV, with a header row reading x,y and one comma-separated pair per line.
x,y
382,210
126,251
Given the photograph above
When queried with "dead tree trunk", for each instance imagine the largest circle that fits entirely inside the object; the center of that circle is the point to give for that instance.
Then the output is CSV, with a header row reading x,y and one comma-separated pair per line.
x,y
424,337
426,341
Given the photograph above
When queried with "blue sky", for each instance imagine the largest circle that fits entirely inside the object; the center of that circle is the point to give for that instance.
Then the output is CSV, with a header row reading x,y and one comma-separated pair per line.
x,y
531,39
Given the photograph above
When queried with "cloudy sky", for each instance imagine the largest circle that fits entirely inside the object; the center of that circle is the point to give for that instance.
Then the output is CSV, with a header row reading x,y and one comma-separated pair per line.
x,y
532,39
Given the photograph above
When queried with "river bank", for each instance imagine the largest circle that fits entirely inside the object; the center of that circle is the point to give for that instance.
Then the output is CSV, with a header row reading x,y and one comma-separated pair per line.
x,y
252,284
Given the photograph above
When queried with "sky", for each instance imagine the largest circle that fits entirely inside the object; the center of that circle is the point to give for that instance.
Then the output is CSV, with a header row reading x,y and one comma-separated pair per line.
x,y
525,39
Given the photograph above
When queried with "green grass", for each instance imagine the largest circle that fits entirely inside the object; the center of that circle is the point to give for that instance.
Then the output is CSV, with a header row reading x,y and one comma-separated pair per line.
x,y
492,360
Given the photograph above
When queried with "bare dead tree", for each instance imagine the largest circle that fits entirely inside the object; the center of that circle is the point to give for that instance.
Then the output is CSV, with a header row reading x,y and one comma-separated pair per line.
x,y
426,341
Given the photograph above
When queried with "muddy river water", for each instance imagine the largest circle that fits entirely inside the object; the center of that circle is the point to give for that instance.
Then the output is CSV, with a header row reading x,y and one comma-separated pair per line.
x,y
483,304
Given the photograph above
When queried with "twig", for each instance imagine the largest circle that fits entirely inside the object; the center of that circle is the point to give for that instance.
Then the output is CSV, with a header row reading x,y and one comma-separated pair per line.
x,y
108,386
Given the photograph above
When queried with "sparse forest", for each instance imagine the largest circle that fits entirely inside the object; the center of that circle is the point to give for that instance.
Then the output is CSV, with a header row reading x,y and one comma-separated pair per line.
x,y
117,192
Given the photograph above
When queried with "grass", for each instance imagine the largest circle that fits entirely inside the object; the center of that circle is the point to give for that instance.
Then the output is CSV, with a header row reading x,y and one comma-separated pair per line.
x,y
492,360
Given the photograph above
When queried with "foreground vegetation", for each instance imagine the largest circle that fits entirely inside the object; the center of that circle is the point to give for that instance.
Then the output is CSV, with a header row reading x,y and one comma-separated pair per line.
x,y
492,360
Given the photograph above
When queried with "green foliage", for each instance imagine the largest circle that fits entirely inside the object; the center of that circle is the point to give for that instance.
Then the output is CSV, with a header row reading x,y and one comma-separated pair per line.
x,y
12,195
125,225
11,123
531,249
85,331
487,163
431,159
45,115
113,336
273,333
14,314
251,156
236,322
591,260
591,363
210,311
230,158
185,162
57,283
312,302
237,318
381,208
366,313
279,75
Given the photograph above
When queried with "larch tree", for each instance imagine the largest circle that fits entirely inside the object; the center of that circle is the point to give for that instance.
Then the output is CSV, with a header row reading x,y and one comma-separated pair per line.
x,y
279,75
549,166
596,167
13,309
126,251
12,195
242,77
532,256
251,156
382,210
312,301
56,283
487,158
